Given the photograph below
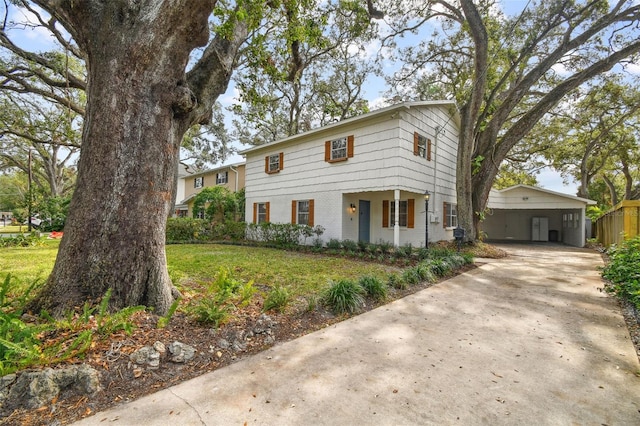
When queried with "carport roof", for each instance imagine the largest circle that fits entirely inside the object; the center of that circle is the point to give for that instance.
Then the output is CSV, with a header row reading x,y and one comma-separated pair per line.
x,y
527,197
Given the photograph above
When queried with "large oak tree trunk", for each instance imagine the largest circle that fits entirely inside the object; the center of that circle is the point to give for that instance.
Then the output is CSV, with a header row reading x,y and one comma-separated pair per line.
x,y
137,112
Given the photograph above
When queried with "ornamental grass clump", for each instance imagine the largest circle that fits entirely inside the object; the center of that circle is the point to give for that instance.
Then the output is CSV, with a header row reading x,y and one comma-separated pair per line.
x,y
374,287
344,296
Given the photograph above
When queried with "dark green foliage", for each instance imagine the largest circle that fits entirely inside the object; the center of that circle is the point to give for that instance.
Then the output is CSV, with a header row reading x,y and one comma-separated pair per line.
x,y
374,287
19,342
23,343
404,251
281,235
221,298
344,296
185,229
623,271
277,299
190,230
440,266
211,311
334,244
423,269
385,247
350,245
216,203
53,212
411,276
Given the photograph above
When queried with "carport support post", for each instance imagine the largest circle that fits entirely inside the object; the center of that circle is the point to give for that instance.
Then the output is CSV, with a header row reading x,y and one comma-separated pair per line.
x,y
396,218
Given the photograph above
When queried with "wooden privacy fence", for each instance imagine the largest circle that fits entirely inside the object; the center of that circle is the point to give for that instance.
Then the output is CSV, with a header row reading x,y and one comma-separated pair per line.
x,y
621,222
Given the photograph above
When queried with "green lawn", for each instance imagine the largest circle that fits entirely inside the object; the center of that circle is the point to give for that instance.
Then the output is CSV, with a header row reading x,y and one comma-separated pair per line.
x,y
13,229
301,273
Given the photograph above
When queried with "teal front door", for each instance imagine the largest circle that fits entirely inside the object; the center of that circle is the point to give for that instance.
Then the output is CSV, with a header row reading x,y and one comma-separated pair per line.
x,y
364,220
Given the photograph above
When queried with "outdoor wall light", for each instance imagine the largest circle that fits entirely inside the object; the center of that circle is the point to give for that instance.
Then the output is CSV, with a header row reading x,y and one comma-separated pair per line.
x,y
353,208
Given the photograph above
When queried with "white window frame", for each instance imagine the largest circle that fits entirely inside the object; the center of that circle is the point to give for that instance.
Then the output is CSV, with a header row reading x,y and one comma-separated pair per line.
x,y
302,212
261,213
198,182
403,218
339,149
451,214
274,163
222,178
422,146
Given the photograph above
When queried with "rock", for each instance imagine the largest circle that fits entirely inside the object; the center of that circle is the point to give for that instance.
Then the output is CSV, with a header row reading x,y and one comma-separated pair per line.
x,y
238,346
181,352
223,344
263,324
148,355
34,389
5,385
159,347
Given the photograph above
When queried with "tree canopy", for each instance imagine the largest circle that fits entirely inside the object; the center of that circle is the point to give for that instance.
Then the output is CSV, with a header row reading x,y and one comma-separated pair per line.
x,y
507,72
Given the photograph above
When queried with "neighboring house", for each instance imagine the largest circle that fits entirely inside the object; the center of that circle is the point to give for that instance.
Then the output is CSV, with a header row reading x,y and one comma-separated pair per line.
x,y
231,177
363,178
180,210
527,213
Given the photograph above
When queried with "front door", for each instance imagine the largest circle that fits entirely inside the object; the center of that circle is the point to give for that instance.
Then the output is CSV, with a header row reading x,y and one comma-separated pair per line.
x,y
364,220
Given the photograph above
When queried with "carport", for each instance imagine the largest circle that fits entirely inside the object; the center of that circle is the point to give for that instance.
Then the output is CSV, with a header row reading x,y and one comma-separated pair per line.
x,y
527,213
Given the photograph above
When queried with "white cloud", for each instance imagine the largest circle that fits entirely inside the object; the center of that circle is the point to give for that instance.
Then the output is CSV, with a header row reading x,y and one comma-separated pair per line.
x,y
27,32
230,97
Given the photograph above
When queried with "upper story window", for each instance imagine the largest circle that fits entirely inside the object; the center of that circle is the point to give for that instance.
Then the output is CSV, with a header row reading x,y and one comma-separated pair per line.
x,y
222,178
421,146
198,182
273,163
339,149
450,213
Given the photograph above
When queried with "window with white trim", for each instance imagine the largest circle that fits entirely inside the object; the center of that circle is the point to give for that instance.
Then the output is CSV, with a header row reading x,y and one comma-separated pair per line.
x,y
421,146
274,163
404,215
262,213
222,178
450,213
198,182
303,212
339,148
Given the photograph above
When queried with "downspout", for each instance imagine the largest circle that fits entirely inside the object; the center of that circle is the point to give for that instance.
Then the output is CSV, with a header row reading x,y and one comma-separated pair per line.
x,y
434,155
236,191
236,172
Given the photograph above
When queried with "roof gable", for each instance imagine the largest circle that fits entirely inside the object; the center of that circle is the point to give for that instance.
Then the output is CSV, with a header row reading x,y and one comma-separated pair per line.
x,y
526,196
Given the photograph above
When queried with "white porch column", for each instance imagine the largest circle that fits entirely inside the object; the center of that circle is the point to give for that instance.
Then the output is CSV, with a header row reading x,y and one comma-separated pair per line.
x,y
396,218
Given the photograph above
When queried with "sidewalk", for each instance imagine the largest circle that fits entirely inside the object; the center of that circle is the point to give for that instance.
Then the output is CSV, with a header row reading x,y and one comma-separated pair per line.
x,y
524,340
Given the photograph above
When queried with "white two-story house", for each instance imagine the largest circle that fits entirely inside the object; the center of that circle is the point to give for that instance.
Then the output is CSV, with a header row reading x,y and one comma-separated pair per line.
x,y
364,178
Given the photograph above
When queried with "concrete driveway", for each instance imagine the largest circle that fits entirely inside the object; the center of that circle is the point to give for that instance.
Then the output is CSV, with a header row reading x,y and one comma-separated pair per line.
x,y
524,340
